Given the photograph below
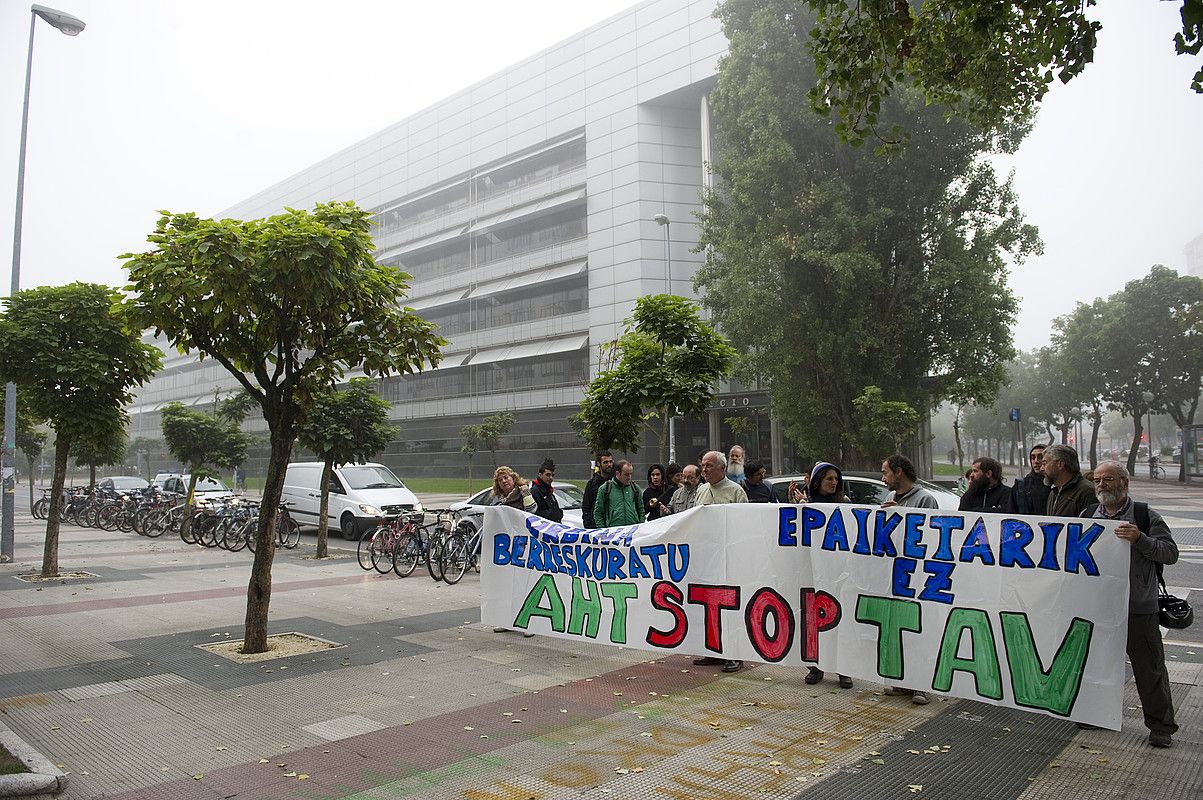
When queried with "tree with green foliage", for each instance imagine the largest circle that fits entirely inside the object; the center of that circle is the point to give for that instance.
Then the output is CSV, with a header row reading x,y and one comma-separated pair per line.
x,y
485,436
1081,356
31,439
667,361
101,453
287,305
882,424
1162,315
986,61
471,436
344,427
832,270
201,441
76,361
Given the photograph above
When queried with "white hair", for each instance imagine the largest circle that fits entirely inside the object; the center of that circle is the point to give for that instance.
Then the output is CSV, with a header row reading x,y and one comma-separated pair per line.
x,y
1119,468
719,457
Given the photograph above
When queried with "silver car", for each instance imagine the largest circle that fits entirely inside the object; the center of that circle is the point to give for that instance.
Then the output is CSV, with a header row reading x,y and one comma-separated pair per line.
x,y
568,495
866,491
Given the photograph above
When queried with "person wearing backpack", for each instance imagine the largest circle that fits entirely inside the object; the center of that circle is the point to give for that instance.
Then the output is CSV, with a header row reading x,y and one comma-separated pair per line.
x,y
1152,547
618,501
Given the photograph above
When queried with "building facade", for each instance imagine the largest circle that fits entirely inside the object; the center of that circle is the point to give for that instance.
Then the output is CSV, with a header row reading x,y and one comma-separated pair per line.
x,y
525,209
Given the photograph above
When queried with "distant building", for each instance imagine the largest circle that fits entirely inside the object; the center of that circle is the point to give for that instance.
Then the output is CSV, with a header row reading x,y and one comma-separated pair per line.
x,y
524,208
1194,256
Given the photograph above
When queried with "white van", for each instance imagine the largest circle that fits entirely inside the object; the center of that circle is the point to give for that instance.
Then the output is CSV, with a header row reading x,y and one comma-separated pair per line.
x,y
360,495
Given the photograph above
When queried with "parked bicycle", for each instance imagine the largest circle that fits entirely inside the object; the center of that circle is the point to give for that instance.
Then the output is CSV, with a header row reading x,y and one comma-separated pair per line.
x,y
1156,471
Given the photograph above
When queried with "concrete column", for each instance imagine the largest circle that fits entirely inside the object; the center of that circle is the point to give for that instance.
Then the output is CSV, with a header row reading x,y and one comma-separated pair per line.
x,y
777,445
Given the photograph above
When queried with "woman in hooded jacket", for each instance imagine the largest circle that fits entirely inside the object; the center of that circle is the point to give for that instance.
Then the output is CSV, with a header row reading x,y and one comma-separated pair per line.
x,y
826,485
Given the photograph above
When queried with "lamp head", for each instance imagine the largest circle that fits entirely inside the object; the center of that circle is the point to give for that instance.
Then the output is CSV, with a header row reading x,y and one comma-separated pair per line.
x,y
63,21
660,219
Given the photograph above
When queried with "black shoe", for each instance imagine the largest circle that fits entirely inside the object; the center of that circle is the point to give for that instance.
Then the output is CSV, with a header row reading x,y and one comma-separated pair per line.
x,y
813,676
707,661
1160,739
733,666
845,682
1086,726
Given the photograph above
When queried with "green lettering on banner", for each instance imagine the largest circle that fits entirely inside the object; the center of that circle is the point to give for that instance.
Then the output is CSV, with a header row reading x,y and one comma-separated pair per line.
x,y
619,594
585,611
1056,689
983,665
532,605
892,617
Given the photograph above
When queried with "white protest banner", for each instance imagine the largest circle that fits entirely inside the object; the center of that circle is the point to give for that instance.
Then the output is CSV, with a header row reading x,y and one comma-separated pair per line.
x,y
1025,612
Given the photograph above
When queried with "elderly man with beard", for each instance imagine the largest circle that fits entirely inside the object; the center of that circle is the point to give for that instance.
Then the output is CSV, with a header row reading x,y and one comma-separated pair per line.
x,y
1152,545
1070,493
987,492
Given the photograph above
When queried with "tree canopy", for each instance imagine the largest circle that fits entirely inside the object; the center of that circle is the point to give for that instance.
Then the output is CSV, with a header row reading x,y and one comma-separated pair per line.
x,y
832,270
668,360
287,305
75,361
344,427
986,61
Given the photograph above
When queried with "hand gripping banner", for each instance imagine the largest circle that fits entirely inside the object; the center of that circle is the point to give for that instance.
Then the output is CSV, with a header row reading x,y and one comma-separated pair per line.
x,y
1025,612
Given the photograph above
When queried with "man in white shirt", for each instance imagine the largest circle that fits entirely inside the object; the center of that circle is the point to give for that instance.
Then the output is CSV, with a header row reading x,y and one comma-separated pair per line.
x,y
716,490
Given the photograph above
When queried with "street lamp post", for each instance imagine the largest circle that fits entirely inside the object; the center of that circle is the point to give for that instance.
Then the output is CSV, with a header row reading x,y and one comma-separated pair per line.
x,y
663,221
71,26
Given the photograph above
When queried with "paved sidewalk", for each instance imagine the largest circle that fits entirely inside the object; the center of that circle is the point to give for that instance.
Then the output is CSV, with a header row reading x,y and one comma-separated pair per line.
x,y
104,676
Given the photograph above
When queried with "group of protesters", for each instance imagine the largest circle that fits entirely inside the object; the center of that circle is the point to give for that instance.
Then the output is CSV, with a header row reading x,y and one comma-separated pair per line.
x,y
1054,487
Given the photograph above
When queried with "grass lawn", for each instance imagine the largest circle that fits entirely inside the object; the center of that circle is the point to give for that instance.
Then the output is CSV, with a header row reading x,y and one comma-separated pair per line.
x,y
9,764
460,486
940,469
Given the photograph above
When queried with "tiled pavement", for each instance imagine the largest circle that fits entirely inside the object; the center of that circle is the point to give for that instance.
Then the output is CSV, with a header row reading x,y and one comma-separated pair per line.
x,y
105,677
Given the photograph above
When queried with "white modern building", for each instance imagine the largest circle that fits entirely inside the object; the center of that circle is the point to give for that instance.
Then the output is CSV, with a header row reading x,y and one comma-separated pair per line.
x,y
525,208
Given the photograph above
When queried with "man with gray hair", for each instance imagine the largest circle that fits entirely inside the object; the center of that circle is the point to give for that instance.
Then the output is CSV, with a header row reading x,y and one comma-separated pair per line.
x,y
718,489
1152,546
1070,492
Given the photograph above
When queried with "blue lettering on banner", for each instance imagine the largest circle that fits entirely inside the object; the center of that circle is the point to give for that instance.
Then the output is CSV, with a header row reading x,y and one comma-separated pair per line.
x,y
977,544
883,545
1051,531
861,547
1016,536
835,538
787,526
912,546
945,526
1077,547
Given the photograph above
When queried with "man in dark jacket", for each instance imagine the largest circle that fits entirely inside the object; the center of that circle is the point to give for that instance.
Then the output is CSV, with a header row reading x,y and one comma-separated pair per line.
x,y
986,492
546,504
1151,544
1029,495
1070,492
605,471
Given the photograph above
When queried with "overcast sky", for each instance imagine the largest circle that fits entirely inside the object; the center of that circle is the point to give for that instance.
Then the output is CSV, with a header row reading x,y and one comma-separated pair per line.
x,y
193,106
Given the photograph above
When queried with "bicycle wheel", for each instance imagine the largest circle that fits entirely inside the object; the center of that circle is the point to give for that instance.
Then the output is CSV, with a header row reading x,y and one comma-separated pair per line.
x,y
106,518
236,534
206,536
291,532
382,550
125,520
434,555
187,532
364,551
406,554
40,509
455,559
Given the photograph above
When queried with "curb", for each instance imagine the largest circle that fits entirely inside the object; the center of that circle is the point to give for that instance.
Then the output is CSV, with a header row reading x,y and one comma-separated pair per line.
x,y
43,779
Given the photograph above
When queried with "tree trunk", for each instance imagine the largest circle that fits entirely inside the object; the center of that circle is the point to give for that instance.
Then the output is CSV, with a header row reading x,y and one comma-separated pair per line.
x,y
956,433
31,471
664,436
1137,432
189,504
92,477
323,517
1096,422
62,448
259,589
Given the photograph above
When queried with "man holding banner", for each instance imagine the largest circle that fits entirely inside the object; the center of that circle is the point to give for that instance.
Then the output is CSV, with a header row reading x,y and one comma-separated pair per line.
x,y
1151,543
1021,612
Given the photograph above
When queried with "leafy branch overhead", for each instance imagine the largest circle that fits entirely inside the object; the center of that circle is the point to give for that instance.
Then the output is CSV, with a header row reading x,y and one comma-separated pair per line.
x,y
989,62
